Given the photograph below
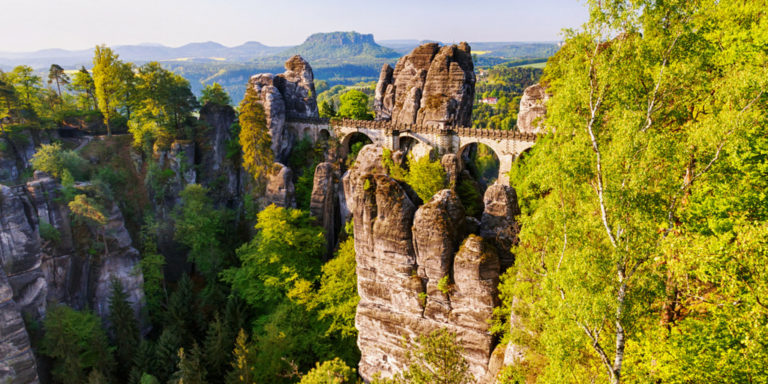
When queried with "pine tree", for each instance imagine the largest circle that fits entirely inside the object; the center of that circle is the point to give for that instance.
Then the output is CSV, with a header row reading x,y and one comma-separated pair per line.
x,y
123,327
57,75
190,370
166,354
218,348
242,372
182,315
144,362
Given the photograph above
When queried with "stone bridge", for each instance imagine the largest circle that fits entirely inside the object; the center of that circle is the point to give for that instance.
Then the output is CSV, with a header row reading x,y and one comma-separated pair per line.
x,y
419,140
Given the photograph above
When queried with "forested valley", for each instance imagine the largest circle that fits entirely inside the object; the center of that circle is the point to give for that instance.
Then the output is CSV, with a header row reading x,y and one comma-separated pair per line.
x,y
637,250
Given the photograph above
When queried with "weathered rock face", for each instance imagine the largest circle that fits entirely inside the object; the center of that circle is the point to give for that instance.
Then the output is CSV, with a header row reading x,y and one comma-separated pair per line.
x,y
532,109
498,221
324,203
431,84
17,363
420,268
287,95
216,170
16,152
280,190
54,267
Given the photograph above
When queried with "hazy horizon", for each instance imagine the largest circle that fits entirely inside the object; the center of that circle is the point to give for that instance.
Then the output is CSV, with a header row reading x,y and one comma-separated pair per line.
x,y
82,24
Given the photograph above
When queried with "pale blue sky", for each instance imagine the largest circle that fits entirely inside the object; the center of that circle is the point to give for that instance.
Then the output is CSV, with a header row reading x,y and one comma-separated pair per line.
x,y
77,24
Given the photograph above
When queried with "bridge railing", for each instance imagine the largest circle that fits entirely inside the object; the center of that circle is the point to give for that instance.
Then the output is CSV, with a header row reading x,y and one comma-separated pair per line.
x,y
428,129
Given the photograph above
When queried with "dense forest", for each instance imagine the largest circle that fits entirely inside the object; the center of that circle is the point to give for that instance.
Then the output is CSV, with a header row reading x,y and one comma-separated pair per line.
x,y
640,241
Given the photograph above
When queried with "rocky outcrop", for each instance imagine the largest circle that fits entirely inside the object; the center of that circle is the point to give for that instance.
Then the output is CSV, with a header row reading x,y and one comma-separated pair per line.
x,y
499,221
287,95
532,109
324,203
17,362
216,169
280,190
421,268
431,84
16,151
45,264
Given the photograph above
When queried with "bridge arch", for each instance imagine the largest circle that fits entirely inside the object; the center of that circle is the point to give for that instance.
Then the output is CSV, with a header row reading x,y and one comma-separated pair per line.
x,y
351,139
481,160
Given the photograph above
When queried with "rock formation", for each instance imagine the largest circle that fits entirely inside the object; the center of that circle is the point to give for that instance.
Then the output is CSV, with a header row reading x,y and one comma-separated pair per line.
x,y
16,151
532,109
287,95
216,170
17,363
431,84
423,268
280,190
42,262
324,203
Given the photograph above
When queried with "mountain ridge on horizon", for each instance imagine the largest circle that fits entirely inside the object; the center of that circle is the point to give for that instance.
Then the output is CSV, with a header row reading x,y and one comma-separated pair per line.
x,y
321,45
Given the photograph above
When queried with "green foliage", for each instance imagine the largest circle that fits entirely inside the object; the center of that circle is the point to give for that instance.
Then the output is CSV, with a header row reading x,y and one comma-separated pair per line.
x,y
151,264
110,80
49,233
166,354
77,343
123,327
217,348
148,379
254,137
200,227
82,83
190,369
242,365
505,84
444,285
643,233
471,198
330,372
425,176
327,110
54,160
215,94
182,316
354,105
304,158
434,358
287,247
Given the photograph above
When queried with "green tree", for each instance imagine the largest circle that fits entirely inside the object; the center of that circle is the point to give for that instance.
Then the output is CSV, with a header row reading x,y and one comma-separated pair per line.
x,y
54,160
190,371
77,343
182,316
123,327
166,354
144,361
426,177
330,372
57,75
354,105
82,82
287,247
200,226
28,85
242,370
215,94
626,270
254,137
109,81
435,358
327,110
217,348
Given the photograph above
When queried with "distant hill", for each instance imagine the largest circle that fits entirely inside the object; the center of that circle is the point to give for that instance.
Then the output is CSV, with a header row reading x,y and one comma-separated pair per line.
x,y
202,52
346,46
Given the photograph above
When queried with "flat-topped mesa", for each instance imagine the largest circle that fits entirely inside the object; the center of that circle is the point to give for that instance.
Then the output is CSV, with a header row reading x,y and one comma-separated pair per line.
x,y
431,84
287,95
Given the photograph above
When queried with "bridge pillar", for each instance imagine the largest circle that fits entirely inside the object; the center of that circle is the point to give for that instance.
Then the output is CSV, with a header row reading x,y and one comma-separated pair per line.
x,y
393,140
445,139
505,165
